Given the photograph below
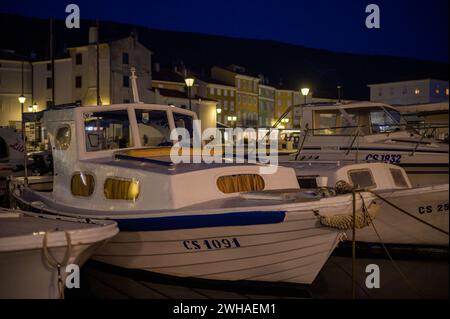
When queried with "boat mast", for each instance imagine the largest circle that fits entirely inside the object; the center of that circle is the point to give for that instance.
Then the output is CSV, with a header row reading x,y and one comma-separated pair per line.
x,y
134,88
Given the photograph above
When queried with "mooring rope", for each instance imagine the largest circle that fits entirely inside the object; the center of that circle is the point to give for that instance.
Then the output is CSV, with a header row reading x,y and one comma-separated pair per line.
x,y
54,263
396,266
409,214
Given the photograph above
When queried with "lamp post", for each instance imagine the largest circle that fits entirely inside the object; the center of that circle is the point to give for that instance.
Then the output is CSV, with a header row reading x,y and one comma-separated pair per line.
x,y
305,92
218,111
232,119
189,83
22,100
34,107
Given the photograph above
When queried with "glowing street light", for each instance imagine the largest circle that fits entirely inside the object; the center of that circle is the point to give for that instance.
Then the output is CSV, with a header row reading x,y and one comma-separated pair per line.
x,y
305,92
219,111
189,83
22,99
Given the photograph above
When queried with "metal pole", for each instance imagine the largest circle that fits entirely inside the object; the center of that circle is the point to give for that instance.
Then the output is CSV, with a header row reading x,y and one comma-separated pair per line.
x,y
190,103
98,64
52,57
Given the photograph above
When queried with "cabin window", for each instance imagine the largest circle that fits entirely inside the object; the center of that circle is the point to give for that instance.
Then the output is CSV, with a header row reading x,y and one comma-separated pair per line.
x,y
153,127
183,121
107,130
62,139
362,178
82,185
383,121
240,183
325,122
307,182
3,149
122,189
398,177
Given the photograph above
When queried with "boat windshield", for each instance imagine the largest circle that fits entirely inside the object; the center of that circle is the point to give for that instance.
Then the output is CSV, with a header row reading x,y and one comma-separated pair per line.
x,y
383,120
108,130
371,120
154,129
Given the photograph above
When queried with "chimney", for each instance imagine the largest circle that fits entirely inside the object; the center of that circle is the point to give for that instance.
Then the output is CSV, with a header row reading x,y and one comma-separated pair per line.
x,y
93,34
134,34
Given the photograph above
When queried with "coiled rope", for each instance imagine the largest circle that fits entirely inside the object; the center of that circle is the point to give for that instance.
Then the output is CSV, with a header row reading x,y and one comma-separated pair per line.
x,y
357,219
52,262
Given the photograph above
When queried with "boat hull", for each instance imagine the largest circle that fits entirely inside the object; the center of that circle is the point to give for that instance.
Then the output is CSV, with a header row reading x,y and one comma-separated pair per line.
x,y
292,251
430,204
25,274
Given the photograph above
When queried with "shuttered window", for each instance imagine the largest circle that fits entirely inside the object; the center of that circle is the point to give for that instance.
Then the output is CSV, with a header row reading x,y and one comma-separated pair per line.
x,y
122,189
82,185
240,183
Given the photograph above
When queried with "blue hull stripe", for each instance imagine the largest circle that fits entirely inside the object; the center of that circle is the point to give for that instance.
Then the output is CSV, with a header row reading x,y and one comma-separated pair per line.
x,y
201,221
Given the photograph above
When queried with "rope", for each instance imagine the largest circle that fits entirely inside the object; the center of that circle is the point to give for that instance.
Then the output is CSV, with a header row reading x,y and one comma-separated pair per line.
x,y
354,245
409,214
348,221
396,266
54,263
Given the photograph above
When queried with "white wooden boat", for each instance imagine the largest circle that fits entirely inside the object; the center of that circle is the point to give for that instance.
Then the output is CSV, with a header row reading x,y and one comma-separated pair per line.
x,y
370,132
213,221
428,203
25,271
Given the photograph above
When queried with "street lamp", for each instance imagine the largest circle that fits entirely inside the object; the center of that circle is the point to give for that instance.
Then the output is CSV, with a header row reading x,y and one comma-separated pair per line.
x,y
189,83
30,108
219,111
22,99
305,92
34,107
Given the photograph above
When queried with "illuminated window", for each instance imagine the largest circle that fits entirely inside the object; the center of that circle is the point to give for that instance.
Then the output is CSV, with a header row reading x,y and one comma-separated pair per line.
x,y
437,91
240,183
417,91
82,185
62,139
446,92
121,189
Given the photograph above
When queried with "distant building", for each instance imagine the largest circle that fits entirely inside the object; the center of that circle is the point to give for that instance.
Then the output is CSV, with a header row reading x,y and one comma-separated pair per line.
x,y
247,92
410,92
266,107
170,89
75,76
14,71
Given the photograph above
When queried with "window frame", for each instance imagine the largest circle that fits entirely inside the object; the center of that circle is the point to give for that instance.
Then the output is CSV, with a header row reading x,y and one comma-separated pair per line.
x,y
374,185
84,173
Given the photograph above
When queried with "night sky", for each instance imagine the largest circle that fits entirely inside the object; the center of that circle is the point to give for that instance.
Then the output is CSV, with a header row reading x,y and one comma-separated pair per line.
x,y
409,28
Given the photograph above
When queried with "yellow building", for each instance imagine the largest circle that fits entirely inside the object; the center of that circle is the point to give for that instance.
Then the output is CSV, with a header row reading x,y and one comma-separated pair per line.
x,y
246,95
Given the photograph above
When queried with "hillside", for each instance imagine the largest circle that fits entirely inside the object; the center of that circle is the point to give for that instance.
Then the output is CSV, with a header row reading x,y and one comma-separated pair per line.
x,y
294,65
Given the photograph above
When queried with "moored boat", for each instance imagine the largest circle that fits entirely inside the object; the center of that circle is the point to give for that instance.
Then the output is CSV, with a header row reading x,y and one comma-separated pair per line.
x,y
214,221
31,246
426,206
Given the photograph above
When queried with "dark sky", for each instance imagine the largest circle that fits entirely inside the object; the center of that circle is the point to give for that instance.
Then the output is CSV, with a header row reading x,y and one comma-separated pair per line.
x,y
410,28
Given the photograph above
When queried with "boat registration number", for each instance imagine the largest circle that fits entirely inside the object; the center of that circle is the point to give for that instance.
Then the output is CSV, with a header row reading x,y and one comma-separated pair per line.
x,y
208,244
391,158
431,209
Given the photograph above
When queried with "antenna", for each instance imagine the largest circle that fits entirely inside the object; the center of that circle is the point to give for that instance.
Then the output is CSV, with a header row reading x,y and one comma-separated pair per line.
x,y
134,88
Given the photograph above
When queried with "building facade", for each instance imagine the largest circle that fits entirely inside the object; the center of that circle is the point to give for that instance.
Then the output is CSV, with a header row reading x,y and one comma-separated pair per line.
x,y
246,96
75,77
410,92
266,107
15,80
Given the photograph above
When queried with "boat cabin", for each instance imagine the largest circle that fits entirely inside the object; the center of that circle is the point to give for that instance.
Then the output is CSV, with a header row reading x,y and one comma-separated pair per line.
x,y
117,158
373,176
344,119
